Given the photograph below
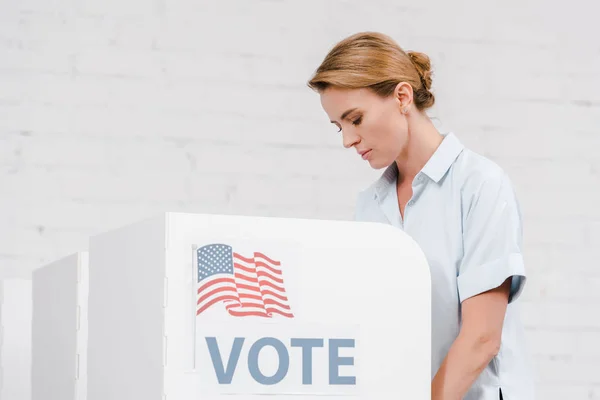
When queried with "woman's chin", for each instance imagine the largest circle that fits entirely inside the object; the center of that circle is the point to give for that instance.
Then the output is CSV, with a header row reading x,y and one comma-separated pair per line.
x,y
378,164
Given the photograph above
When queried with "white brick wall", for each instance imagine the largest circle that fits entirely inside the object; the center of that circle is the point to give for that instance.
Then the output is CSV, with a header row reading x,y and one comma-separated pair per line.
x,y
114,110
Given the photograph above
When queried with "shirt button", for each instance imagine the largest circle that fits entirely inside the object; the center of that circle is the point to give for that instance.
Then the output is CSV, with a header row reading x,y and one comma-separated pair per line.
x,y
410,203
420,178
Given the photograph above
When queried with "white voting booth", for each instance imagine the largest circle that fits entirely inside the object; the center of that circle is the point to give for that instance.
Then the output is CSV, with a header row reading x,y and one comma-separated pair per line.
x,y
59,329
206,307
15,339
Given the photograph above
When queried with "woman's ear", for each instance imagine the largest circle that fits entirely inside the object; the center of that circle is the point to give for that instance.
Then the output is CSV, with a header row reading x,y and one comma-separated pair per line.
x,y
403,93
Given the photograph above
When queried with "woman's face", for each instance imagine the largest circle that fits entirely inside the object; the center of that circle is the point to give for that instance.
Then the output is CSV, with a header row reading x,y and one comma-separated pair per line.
x,y
374,126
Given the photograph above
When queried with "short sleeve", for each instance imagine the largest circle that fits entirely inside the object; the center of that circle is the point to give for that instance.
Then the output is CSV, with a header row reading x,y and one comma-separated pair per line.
x,y
492,239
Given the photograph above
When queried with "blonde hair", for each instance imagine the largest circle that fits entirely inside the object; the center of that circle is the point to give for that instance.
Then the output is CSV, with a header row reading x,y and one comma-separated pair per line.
x,y
375,61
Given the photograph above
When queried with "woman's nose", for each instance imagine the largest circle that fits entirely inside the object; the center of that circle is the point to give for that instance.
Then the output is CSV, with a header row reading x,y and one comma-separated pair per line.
x,y
349,138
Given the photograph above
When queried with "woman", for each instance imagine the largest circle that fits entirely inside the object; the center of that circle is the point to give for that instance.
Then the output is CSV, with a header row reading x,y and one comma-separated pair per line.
x,y
459,206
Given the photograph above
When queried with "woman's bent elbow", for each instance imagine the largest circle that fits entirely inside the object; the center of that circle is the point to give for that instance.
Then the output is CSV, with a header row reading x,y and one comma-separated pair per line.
x,y
489,345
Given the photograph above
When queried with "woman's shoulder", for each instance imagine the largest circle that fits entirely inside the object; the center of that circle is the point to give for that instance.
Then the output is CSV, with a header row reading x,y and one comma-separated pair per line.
x,y
476,171
481,177
474,167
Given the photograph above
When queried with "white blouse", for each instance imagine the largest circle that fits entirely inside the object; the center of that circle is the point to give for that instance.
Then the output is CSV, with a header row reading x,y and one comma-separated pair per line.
x,y
465,217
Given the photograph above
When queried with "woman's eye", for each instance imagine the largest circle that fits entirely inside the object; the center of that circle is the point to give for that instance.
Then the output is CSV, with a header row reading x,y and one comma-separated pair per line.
x,y
357,121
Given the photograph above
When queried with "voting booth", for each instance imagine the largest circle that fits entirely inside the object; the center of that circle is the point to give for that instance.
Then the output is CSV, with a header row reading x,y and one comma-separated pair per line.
x,y
206,307
15,339
59,329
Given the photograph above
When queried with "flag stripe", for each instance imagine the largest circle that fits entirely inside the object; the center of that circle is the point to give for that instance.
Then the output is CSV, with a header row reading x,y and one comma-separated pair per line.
x,y
238,309
276,303
250,304
268,292
221,295
276,307
246,278
214,281
277,288
248,287
244,268
215,300
250,307
247,260
215,291
261,255
236,313
268,267
250,296
262,274
285,314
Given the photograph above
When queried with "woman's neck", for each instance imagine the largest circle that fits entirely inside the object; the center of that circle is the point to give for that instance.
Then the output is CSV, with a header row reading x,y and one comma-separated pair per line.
x,y
423,141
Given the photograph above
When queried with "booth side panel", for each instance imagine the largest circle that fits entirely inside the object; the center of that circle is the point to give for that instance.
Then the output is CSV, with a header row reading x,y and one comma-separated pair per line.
x,y
126,314
15,344
82,326
54,330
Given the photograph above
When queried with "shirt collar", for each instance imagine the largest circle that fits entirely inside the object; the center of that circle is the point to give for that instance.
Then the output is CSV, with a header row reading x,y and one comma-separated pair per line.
x,y
443,158
435,168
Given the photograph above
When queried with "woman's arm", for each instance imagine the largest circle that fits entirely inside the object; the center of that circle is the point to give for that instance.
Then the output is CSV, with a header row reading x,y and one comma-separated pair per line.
x,y
477,343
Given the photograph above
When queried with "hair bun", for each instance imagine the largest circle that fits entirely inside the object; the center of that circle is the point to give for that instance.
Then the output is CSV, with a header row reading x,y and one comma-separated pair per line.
x,y
375,61
423,65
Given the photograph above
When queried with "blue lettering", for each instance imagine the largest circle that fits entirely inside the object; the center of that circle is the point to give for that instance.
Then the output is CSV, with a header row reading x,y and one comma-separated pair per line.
x,y
284,361
335,361
225,373
307,345
224,376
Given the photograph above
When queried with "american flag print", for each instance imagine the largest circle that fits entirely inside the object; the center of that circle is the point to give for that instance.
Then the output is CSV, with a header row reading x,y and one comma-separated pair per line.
x,y
247,286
